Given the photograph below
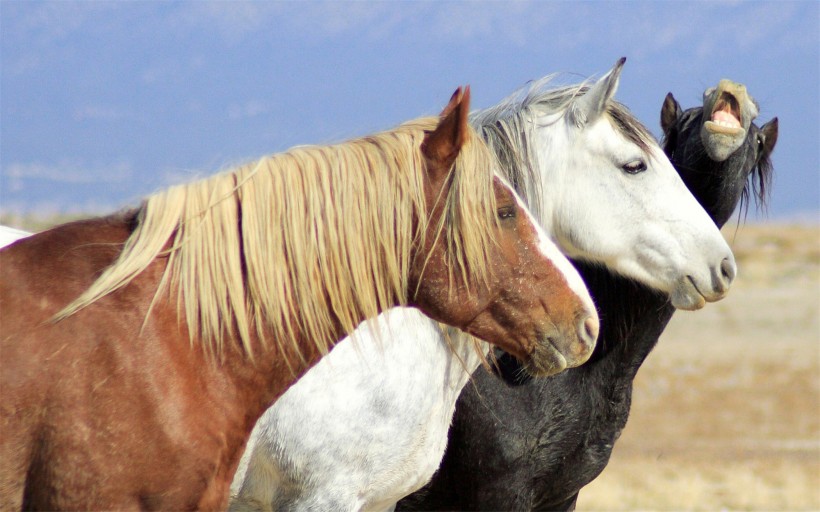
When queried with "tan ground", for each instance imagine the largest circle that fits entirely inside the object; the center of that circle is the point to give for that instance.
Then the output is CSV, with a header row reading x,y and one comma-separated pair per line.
x,y
726,410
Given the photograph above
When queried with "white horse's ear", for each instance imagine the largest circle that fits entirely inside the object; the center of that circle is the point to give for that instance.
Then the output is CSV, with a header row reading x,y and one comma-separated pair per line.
x,y
587,108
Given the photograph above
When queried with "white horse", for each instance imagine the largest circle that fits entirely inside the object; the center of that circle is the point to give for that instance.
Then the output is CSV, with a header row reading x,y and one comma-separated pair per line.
x,y
368,424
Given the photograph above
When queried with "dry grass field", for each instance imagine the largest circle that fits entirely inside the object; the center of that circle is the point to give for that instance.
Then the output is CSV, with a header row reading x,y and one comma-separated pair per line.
x,y
726,410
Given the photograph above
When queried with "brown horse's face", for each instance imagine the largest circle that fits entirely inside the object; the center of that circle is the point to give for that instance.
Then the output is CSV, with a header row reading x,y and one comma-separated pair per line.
x,y
535,305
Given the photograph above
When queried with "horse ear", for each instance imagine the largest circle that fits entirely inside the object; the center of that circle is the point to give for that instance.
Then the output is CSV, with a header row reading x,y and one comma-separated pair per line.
x,y
441,146
768,136
590,106
670,113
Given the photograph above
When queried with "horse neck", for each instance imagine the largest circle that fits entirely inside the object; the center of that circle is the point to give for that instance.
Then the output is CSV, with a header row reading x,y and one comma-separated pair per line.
x,y
632,318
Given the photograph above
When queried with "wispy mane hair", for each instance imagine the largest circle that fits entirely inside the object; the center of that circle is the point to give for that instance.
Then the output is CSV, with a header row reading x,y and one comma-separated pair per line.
x,y
760,181
509,130
296,243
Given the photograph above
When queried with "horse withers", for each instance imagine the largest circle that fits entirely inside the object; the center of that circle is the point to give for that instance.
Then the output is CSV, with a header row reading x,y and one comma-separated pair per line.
x,y
139,349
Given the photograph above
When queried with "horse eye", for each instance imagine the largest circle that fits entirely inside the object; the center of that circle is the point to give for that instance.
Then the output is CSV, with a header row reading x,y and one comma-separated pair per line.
x,y
506,212
634,167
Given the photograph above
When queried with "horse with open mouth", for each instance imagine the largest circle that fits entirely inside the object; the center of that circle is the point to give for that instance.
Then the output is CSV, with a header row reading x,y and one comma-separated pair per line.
x,y
723,155
139,349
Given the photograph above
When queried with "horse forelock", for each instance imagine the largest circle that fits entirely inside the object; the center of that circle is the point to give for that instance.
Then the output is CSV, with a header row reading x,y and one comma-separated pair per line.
x,y
259,251
629,126
469,212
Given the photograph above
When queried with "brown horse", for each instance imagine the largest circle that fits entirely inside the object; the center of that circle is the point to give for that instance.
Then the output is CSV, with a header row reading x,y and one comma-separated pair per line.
x,y
139,349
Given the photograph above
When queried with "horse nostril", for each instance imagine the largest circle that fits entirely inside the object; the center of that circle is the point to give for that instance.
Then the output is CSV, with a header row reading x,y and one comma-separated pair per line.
x,y
728,270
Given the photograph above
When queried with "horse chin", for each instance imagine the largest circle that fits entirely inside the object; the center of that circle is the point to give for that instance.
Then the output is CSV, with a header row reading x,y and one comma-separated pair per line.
x,y
721,141
686,296
544,361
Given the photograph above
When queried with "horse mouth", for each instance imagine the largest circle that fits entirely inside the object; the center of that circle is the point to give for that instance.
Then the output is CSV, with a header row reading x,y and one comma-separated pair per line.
x,y
726,118
545,360
687,296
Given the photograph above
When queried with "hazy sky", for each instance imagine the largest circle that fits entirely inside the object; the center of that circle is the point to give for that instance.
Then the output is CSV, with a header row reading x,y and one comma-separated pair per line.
x,y
104,102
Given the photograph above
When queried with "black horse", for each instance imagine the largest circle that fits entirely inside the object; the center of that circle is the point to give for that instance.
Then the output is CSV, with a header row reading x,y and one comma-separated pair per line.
x,y
532,444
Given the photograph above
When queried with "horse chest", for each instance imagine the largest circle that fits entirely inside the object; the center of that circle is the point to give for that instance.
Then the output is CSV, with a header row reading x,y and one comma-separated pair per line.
x,y
391,397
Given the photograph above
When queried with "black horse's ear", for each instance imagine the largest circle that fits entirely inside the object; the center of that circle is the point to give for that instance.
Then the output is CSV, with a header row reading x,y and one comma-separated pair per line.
x,y
768,136
670,113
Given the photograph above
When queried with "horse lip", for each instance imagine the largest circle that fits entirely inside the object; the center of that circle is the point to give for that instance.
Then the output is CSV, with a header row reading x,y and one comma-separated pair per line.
x,y
728,103
714,127
710,298
683,290
695,286
536,368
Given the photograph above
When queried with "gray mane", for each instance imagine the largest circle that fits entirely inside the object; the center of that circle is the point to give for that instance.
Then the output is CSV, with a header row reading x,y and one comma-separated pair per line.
x,y
507,131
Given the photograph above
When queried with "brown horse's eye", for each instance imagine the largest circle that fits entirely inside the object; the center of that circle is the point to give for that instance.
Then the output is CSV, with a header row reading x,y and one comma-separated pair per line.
x,y
507,212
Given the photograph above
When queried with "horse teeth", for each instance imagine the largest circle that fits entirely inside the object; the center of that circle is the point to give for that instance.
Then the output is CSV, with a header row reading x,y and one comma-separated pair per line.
x,y
725,124
725,118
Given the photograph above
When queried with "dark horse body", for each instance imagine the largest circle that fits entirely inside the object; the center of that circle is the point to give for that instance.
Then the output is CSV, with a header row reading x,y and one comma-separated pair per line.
x,y
532,444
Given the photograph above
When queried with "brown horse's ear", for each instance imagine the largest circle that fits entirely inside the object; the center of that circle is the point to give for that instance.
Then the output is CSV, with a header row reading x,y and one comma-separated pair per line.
x,y
441,146
670,113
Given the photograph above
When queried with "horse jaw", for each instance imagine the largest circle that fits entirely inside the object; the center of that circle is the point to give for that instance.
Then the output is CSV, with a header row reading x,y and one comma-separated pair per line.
x,y
730,114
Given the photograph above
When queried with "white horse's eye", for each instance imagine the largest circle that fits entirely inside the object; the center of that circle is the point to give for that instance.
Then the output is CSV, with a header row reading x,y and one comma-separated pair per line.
x,y
634,167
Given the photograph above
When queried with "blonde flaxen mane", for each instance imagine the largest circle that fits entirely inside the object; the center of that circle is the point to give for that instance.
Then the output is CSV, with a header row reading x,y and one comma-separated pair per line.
x,y
264,247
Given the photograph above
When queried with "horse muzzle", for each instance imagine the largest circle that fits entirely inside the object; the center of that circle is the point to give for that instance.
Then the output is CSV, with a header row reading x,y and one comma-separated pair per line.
x,y
555,353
